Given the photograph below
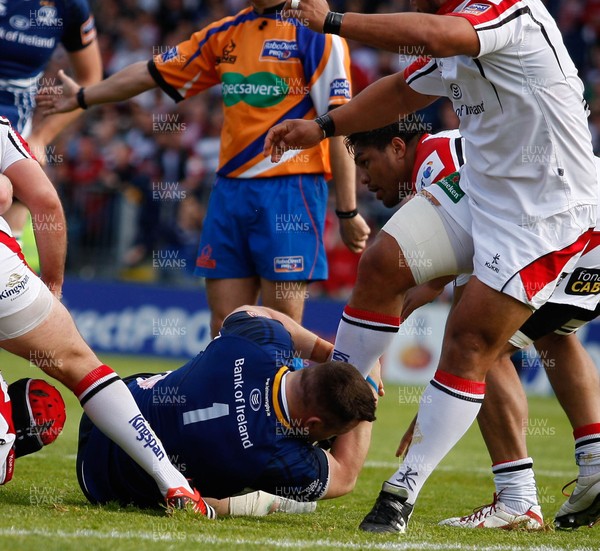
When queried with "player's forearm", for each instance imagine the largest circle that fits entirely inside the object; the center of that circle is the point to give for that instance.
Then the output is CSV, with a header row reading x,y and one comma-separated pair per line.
x,y
344,175
423,294
414,34
306,343
125,84
350,451
32,187
87,69
380,104
47,129
50,229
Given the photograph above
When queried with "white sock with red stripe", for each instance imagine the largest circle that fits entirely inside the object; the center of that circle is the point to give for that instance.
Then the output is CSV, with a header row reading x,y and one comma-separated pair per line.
x,y
111,407
515,484
362,337
587,449
448,407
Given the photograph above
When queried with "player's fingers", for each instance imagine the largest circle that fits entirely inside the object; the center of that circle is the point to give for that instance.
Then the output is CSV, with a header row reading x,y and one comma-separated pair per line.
x,y
45,106
403,447
404,443
290,9
49,107
70,87
274,142
63,77
277,151
406,438
268,142
354,243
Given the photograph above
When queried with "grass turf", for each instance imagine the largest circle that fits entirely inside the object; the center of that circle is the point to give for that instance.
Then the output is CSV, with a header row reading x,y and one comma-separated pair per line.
x,y
43,508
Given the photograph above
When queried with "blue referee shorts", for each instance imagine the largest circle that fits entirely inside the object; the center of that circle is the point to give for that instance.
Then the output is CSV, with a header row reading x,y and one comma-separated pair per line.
x,y
267,227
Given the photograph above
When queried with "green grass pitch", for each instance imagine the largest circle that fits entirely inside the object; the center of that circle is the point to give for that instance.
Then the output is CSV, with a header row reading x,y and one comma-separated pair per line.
x,y
43,508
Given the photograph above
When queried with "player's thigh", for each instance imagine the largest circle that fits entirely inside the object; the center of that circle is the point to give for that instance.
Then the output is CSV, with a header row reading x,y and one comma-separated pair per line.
x,y
478,328
56,347
574,303
225,295
285,296
382,270
34,324
431,242
286,240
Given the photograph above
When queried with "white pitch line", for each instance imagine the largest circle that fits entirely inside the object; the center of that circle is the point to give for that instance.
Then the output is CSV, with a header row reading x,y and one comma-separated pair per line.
x,y
447,468
278,543
479,470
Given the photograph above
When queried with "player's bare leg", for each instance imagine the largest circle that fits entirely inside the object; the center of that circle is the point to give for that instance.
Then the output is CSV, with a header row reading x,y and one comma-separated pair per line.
x,y
372,316
573,375
384,276
225,295
478,329
502,419
575,381
476,333
503,423
504,413
56,346
286,297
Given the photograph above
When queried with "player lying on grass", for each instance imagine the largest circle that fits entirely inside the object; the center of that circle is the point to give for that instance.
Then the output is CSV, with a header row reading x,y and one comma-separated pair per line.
x,y
237,417
32,415
391,162
36,326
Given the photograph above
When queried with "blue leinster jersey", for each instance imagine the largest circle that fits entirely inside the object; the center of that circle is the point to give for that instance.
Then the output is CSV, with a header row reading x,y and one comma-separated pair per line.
x,y
30,31
223,422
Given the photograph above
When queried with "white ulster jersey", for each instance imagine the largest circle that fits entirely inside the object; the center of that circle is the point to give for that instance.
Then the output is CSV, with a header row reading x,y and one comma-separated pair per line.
x,y
521,110
438,159
12,149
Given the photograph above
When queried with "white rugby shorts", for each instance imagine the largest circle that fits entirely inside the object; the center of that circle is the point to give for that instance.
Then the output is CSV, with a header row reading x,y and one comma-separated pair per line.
x,y
581,288
526,260
25,301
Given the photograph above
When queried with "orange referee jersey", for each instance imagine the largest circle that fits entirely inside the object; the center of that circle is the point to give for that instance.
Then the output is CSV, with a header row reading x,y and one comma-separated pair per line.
x,y
269,70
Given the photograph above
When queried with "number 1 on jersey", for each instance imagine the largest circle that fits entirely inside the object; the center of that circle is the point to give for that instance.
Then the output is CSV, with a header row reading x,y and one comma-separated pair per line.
x,y
205,414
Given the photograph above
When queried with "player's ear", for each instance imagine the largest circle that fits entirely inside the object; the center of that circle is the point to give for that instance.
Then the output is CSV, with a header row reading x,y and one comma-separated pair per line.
x,y
314,426
399,147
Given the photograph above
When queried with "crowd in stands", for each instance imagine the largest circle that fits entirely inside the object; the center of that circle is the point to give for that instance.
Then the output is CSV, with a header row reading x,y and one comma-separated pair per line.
x,y
135,177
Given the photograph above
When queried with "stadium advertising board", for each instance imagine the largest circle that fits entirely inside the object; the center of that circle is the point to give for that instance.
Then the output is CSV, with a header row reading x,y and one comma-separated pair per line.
x,y
148,320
